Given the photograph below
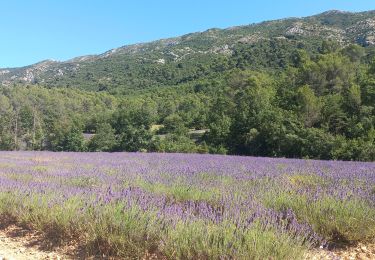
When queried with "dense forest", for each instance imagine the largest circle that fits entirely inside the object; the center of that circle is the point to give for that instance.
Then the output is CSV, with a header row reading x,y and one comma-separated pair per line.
x,y
272,98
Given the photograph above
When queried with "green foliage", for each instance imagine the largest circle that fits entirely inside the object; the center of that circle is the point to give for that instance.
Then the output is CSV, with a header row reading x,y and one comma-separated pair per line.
x,y
104,139
315,109
329,47
340,221
133,139
268,98
176,143
354,52
198,240
174,124
70,140
330,74
309,105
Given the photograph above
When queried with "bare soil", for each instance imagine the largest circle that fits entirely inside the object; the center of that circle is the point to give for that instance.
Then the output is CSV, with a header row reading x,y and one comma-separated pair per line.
x,y
358,252
18,243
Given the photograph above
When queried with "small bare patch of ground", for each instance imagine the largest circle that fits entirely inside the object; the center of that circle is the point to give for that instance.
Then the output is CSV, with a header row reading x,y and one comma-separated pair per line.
x,y
17,243
22,243
358,252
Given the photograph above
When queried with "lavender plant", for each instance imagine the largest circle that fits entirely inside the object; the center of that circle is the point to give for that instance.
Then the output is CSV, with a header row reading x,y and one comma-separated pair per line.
x,y
189,206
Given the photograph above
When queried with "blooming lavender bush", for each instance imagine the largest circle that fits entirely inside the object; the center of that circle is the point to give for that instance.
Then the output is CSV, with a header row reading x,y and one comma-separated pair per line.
x,y
189,206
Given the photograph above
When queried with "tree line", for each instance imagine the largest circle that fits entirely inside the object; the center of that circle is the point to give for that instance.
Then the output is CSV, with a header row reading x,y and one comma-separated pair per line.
x,y
315,105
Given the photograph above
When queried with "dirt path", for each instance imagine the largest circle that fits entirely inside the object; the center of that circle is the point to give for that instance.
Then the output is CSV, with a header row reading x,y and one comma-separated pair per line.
x,y
19,244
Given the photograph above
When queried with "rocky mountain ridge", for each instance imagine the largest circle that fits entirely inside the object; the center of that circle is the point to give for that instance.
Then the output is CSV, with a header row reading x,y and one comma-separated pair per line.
x,y
343,27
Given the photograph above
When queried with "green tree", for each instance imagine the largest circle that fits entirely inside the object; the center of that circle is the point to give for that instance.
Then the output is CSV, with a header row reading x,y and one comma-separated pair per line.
x,y
330,74
310,105
354,52
73,141
133,139
172,143
104,139
6,140
329,46
174,124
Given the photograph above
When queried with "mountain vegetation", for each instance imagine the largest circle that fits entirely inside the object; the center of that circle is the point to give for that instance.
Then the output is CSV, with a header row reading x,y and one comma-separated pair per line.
x,y
298,87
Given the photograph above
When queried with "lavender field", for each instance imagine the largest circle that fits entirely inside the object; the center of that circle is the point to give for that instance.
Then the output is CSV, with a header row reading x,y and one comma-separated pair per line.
x,y
180,206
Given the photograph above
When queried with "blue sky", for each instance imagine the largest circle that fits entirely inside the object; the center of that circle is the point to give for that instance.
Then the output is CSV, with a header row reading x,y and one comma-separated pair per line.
x,y
35,30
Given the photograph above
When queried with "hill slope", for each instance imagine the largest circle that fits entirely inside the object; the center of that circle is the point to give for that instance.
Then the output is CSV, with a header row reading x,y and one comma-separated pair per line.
x,y
296,88
182,59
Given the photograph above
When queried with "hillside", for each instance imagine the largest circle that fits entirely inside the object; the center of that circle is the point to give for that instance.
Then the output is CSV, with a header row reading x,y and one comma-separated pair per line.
x,y
297,87
173,61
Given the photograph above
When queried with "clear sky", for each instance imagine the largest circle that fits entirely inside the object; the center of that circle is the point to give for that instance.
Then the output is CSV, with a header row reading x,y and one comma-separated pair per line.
x,y
35,30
